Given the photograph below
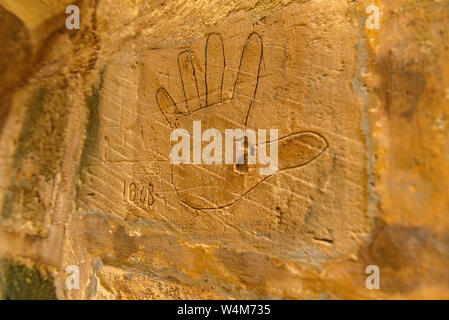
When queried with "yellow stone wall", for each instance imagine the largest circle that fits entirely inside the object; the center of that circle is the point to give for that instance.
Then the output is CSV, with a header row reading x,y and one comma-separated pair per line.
x,y
363,120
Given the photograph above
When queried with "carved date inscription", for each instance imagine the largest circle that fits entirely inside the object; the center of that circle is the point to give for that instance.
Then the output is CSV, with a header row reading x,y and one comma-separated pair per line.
x,y
140,194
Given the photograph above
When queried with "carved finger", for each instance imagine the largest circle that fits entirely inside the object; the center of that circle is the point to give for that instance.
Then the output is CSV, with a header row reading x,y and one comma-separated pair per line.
x,y
248,74
299,149
168,107
215,63
188,79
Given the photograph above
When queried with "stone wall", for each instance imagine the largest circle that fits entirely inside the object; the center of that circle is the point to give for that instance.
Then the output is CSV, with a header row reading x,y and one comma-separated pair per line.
x,y
363,124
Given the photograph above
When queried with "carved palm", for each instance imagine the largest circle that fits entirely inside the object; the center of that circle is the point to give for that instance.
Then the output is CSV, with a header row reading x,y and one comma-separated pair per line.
x,y
213,186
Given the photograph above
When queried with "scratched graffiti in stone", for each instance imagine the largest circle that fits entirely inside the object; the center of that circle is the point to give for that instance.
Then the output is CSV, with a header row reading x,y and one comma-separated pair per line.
x,y
251,78
210,186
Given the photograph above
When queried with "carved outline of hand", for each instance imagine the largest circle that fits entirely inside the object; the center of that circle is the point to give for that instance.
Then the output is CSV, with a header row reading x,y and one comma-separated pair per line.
x,y
244,88
238,107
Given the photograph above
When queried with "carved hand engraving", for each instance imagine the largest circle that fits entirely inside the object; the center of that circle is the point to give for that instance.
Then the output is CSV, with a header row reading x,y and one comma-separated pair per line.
x,y
213,186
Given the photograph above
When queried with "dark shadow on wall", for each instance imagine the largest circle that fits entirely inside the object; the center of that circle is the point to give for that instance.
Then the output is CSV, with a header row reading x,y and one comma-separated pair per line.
x,y
20,282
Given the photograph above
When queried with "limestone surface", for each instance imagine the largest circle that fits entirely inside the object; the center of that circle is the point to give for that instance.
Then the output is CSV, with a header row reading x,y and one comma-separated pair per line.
x,y
358,92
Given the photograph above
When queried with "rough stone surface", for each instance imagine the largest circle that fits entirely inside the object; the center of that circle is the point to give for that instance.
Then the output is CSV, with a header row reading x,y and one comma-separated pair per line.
x,y
362,114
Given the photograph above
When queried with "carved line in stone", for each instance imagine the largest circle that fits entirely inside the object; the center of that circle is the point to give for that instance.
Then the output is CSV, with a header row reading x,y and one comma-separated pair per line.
x,y
178,114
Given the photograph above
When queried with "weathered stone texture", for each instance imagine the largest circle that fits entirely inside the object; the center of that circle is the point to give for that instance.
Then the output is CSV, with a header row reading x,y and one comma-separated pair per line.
x,y
85,123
